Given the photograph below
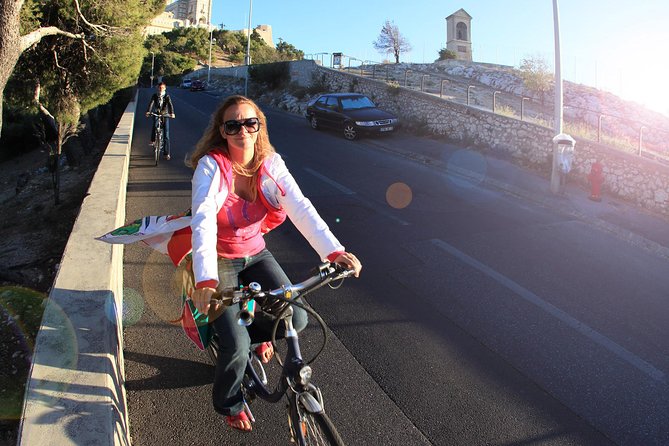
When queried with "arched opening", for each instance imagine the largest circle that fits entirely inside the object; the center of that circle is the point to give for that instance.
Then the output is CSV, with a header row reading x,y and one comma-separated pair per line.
x,y
461,31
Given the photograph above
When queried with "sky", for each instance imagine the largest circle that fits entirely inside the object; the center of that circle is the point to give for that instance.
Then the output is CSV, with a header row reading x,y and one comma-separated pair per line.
x,y
614,45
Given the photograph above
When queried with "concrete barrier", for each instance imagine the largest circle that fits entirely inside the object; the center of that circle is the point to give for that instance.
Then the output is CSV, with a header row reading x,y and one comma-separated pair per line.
x,y
75,392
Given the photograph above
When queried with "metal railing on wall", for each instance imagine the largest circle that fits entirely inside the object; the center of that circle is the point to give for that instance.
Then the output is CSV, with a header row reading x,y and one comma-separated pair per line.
x,y
621,133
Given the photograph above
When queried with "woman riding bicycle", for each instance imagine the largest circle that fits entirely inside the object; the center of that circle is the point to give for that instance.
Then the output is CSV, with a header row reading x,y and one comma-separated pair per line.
x,y
241,189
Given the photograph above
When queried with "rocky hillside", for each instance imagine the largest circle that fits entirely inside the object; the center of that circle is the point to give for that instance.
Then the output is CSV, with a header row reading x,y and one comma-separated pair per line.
x,y
582,104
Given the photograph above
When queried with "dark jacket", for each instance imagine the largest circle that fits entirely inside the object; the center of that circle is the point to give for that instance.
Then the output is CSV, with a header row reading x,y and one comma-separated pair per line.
x,y
165,109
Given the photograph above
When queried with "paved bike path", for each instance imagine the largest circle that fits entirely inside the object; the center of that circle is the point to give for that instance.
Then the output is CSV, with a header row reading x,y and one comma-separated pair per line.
x,y
169,381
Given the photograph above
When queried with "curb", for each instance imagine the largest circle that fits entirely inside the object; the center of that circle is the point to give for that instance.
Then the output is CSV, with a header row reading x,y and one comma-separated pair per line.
x,y
75,393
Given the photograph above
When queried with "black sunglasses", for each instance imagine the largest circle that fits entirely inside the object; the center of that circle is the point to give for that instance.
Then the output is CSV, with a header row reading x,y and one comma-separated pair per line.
x,y
233,127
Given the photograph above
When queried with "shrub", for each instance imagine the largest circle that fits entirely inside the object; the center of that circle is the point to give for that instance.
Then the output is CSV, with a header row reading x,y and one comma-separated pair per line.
x,y
505,110
393,87
318,84
19,135
445,54
274,75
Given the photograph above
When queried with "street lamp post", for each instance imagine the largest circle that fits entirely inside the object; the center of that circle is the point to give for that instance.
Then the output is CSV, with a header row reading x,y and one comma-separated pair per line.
x,y
599,128
641,138
248,51
211,38
555,174
153,57
211,34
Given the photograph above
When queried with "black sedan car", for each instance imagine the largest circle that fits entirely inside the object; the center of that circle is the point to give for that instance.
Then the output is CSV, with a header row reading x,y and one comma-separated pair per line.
x,y
353,113
197,85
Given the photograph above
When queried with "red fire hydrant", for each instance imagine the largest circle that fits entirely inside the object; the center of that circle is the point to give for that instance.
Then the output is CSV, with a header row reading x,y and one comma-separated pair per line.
x,y
596,178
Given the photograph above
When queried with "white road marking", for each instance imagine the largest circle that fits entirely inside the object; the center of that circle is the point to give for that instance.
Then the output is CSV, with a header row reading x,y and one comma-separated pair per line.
x,y
332,183
572,322
357,197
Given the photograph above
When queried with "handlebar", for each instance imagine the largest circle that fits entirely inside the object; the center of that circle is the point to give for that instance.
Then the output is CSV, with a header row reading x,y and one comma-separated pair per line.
x,y
327,273
159,115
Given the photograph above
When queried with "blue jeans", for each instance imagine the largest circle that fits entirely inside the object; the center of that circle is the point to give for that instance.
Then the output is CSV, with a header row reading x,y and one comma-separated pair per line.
x,y
235,341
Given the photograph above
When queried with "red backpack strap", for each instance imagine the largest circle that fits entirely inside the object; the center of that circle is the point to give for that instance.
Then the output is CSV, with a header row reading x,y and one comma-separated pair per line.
x,y
224,165
275,215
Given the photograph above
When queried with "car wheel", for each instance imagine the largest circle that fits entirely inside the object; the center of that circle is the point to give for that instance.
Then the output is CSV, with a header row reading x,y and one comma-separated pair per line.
x,y
314,122
349,131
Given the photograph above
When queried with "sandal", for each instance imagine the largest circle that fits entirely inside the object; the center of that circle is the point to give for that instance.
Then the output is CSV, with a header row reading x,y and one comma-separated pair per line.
x,y
241,421
265,352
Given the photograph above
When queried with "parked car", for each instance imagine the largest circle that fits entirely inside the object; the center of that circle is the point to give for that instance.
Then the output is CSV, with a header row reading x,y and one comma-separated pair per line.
x,y
353,113
186,83
197,85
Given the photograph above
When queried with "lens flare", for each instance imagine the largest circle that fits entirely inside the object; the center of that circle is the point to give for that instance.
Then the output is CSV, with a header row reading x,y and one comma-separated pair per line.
x,y
20,314
467,168
161,286
57,349
399,195
133,307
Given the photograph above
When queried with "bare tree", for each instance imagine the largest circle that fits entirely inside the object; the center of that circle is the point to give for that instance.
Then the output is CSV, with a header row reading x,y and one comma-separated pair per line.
x,y
536,76
391,41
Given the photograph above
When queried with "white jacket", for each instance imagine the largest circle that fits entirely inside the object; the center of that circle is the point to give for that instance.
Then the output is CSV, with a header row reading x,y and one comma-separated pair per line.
x,y
209,193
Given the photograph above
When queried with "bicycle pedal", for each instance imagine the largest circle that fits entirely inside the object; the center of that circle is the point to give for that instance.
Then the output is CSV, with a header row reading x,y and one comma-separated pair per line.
x,y
247,409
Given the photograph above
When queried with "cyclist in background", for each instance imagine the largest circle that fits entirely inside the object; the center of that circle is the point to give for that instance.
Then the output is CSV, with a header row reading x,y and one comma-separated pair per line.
x,y
161,103
242,189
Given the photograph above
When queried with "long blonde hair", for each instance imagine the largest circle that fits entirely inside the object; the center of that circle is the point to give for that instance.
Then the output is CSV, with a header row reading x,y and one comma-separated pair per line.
x,y
212,139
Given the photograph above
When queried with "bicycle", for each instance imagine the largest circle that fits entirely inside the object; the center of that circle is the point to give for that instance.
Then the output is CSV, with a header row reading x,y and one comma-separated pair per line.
x,y
159,143
307,420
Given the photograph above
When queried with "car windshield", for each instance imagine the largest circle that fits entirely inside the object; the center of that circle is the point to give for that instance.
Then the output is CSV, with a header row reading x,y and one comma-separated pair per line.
x,y
356,102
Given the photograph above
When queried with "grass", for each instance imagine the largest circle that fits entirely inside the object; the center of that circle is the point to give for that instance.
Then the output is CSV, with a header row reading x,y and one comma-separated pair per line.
x,y
21,312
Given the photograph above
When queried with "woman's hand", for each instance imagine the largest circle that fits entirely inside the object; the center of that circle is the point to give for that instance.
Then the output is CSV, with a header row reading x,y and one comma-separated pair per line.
x,y
201,298
349,261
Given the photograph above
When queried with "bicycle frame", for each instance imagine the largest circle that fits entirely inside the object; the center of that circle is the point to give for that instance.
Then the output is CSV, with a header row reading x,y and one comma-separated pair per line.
x,y
159,136
308,422
293,363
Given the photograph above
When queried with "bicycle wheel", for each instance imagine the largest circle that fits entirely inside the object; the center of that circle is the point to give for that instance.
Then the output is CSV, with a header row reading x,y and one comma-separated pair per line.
x,y
309,428
157,148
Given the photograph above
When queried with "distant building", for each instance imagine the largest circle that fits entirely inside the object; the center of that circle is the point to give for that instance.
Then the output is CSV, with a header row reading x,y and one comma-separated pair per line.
x,y
459,35
187,13
163,23
265,32
192,12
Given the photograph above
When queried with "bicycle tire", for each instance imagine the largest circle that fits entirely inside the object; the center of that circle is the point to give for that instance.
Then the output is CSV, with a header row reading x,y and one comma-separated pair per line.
x,y
158,145
309,428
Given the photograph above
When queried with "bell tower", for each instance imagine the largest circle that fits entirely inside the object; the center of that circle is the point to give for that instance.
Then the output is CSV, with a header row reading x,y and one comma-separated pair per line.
x,y
459,34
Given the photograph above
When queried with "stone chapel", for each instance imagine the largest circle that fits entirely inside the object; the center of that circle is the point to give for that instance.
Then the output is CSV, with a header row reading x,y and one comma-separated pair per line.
x,y
459,35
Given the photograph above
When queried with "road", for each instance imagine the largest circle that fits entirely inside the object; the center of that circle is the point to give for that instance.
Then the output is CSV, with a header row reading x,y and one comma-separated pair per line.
x,y
479,318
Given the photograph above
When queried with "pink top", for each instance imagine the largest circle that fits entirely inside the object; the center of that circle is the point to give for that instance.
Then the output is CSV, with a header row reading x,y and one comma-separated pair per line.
x,y
239,227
